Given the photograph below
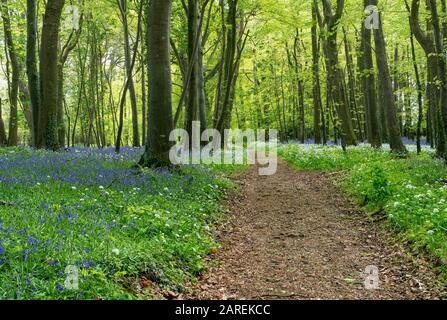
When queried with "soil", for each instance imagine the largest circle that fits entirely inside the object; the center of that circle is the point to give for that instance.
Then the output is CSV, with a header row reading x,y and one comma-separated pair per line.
x,y
295,235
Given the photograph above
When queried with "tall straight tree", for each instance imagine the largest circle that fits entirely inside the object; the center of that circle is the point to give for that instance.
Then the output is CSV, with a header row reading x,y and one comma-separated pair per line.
x,y
225,107
369,86
352,85
442,78
160,122
124,10
192,105
15,78
335,73
387,93
65,51
31,65
3,138
318,106
129,81
48,129
426,41
420,98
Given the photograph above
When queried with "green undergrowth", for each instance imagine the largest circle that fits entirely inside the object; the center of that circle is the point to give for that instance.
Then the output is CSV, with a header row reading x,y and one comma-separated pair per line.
x,y
91,210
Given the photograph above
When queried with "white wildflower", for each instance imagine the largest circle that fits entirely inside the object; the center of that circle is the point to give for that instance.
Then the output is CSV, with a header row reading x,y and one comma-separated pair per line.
x,y
116,251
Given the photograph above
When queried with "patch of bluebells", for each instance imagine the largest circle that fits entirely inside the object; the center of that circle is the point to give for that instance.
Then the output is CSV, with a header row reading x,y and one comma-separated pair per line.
x,y
86,167
72,208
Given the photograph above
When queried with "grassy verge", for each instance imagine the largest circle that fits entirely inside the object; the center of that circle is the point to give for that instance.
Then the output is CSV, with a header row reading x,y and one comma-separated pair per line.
x,y
89,209
411,192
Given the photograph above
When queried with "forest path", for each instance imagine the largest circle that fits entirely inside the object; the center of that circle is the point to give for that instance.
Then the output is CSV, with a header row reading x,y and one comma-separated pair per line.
x,y
293,235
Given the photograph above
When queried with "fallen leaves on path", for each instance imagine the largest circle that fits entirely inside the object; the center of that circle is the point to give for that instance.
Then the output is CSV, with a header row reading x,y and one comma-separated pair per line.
x,y
293,235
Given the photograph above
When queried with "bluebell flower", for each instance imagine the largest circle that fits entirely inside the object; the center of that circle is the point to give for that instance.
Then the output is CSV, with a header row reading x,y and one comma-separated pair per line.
x,y
32,240
25,252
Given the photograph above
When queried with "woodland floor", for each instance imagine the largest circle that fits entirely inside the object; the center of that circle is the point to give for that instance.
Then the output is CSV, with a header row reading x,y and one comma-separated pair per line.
x,y
294,235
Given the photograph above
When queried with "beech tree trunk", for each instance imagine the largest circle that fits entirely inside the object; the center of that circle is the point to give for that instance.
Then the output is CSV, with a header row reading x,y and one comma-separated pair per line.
x,y
160,122
15,67
420,98
194,39
335,73
31,66
394,133
123,6
3,139
48,128
433,92
369,87
442,78
229,67
318,106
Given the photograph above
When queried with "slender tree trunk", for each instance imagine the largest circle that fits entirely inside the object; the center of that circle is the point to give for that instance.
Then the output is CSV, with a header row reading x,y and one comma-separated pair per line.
x,y
15,66
3,138
352,85
396,88
229,65
31,66
432,91
442,78
201,87
60,107
369,87
419,88
129,70
129,83
396,143
221,69
65,51
144,97
318,106
192,105
335,73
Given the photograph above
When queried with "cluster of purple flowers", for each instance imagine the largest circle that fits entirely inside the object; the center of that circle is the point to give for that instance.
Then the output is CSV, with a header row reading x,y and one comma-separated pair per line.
x,y
77,167
53,227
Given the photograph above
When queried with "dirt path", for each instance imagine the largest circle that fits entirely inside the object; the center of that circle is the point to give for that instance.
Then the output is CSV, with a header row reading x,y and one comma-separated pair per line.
x,y
294,236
